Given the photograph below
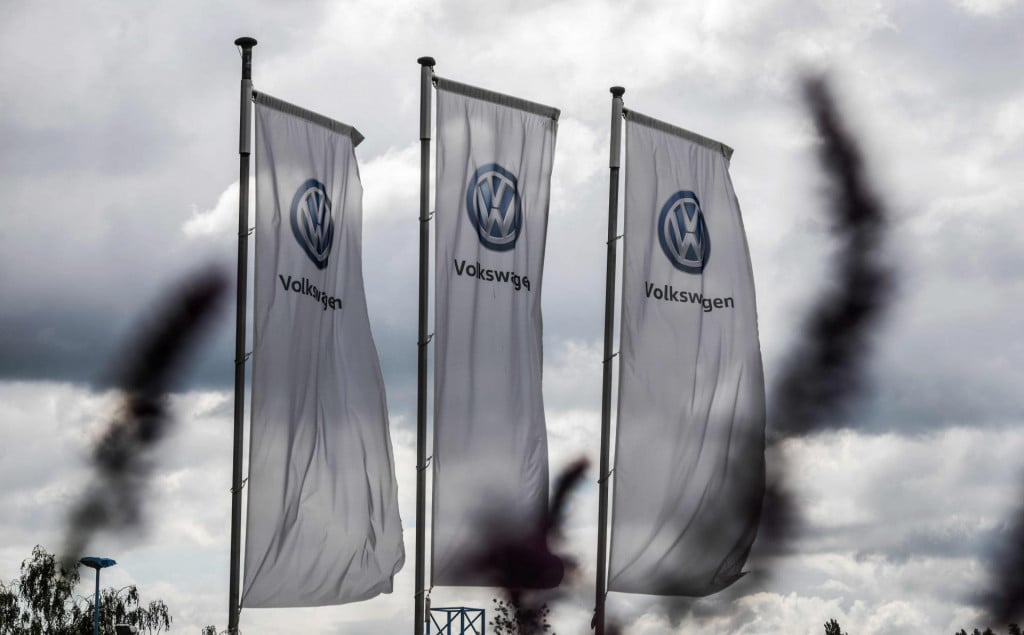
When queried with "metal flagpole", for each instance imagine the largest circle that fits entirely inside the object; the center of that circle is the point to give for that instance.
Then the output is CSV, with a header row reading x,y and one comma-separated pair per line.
x,y
426,77
606,381
245,121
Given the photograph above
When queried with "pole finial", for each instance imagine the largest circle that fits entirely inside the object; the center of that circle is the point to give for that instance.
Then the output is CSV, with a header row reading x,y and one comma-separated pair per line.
x,y
426,61
617,91
246,42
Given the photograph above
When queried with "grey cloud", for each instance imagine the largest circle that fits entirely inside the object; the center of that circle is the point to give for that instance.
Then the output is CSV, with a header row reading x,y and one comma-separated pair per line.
x,y
900,541
204,103
49,343
925,87
942,41
952,541
911,402
100,170
133,135
41,345
219,405
396,347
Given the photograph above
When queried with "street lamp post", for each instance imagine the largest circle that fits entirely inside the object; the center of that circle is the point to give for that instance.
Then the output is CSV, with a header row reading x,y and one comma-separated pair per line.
x,y
97,563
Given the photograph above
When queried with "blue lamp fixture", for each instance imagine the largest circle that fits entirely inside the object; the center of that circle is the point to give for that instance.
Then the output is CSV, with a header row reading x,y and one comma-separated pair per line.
x,y
97,563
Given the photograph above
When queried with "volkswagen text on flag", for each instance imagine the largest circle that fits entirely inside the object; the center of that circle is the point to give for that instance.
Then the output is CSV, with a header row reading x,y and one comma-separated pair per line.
x,y
494,156
689,460
323,525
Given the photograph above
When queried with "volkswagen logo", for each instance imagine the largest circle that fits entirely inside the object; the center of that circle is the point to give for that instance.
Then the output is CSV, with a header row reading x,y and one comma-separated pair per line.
x,y
494,207
683,232
312,222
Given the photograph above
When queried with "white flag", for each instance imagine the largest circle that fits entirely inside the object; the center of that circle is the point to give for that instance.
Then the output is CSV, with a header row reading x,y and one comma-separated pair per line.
x,y
494,156
689,461
323,525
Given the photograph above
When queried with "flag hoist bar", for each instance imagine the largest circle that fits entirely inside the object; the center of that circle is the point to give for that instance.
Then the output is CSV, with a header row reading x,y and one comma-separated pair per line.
x,y
426,80
244,149
601,586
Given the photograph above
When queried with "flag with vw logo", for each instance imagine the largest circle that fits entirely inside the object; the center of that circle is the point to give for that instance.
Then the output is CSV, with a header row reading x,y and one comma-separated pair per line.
x,y
689,460
494,156
323,525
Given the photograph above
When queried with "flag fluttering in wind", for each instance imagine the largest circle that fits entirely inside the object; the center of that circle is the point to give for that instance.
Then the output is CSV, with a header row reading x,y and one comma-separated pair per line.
x,y
490,464
323,525
689,461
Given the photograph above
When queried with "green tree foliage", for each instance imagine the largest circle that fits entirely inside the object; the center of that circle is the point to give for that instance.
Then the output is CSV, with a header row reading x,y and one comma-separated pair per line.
x,y
123,607
42,602
209,630
832,628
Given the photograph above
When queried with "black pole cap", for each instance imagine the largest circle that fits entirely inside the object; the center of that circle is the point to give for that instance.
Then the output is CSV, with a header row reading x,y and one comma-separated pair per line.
x,y
426,61
246,42
617,91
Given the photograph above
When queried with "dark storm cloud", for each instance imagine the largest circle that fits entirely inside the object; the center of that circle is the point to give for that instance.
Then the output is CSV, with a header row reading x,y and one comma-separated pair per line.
x,y
108,126
913,404
390,275
58,344
81,252
49,344
396,346
114,181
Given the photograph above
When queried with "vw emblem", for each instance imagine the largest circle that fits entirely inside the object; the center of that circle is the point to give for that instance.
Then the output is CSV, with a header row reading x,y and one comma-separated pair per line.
x,y
494,207
312,222
683,232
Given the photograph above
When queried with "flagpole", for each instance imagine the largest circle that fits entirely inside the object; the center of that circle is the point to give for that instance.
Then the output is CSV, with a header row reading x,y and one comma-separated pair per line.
x,y
245,121
426,78
606,380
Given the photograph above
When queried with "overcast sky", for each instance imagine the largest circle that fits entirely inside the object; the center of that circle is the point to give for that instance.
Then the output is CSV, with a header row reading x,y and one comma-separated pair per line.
x,y
118,173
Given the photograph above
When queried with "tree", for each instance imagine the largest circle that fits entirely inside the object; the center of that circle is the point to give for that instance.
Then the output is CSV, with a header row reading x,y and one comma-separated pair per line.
x,y
122,607
832,628
42,602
